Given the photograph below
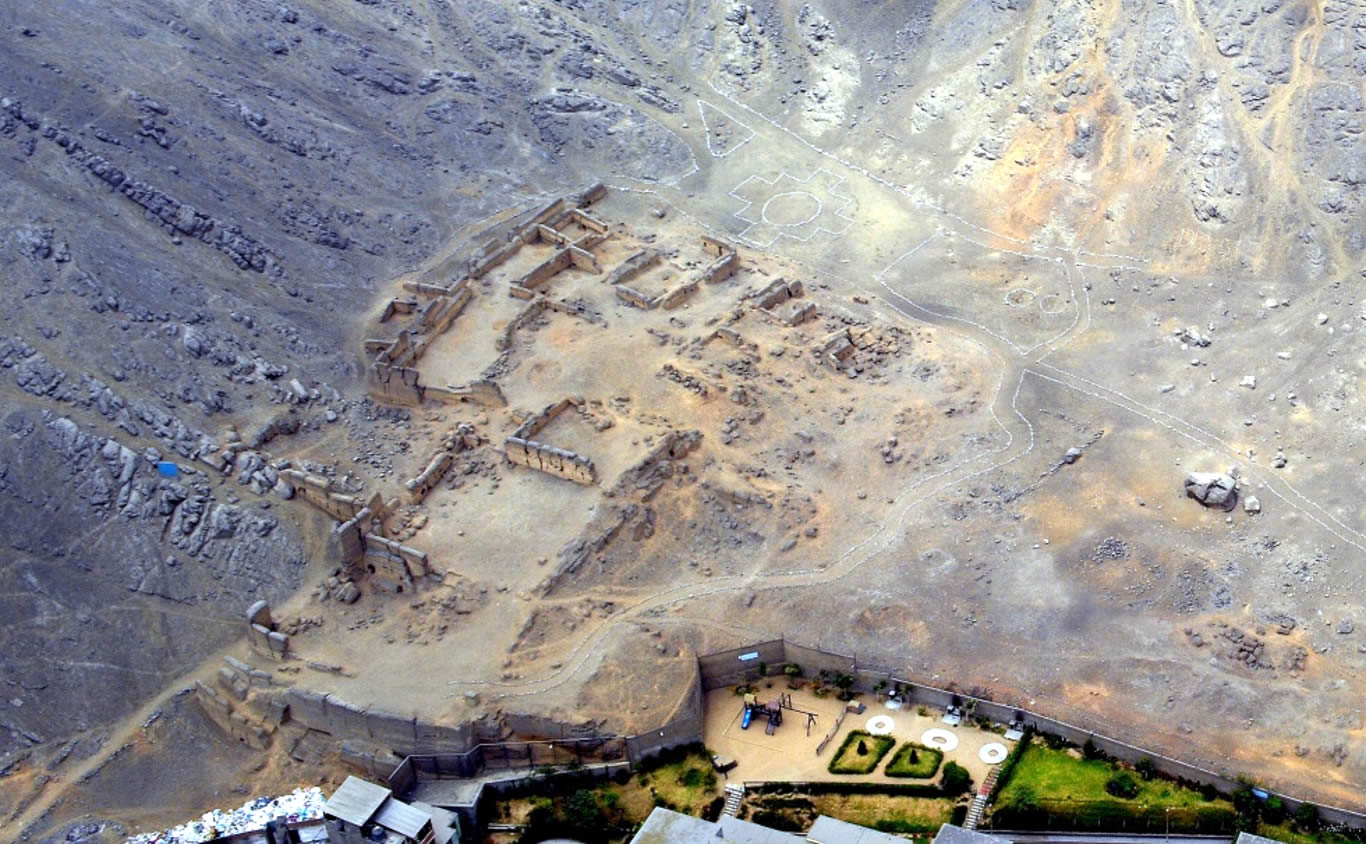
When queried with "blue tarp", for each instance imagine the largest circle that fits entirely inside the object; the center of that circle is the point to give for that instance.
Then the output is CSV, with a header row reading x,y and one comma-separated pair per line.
x,y
168,470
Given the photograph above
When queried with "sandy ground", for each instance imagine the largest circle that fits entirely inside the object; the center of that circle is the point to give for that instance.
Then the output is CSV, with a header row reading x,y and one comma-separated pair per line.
x,y
790,753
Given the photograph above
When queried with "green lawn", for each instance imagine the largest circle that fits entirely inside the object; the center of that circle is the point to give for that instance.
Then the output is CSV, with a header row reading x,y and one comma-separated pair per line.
x,y
1057,775
925,765
848,760
1055,789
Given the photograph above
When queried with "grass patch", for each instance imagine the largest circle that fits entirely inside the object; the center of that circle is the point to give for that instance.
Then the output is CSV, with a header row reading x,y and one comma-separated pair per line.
x,y
886,812
1054,789
612,811
860,753
915,761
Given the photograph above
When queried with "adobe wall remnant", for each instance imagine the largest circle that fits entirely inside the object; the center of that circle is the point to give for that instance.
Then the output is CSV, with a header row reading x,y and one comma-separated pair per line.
x,y
262,635
561,463
834,350
634,266
636,486
775,303
726,263
429,477
483,391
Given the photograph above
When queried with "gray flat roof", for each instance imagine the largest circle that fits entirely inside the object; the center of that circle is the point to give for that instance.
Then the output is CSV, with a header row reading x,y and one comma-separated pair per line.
x,y
401,818
827,830
1249,838
444,823
356,801
667,827
950,834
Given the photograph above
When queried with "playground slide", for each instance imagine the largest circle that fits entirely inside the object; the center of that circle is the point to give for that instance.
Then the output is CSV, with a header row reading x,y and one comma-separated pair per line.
x,y
744,719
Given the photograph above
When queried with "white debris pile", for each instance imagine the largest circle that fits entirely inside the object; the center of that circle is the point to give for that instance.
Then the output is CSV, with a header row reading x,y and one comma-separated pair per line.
x,y
302,804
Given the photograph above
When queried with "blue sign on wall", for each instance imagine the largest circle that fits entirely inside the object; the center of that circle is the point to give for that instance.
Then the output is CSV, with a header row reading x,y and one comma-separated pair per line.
x,y
749,656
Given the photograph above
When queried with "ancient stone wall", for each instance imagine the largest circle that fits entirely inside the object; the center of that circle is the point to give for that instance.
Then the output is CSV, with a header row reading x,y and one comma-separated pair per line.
x,y
428,478
554,461
635,298
633,266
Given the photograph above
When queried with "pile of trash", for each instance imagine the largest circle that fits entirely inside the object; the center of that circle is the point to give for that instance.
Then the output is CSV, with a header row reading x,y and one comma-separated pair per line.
x,y
302,804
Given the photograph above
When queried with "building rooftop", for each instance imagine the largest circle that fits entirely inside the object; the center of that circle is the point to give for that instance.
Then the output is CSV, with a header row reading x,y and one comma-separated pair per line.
x,y
445,825
827,830
1249,838
401,818
667,827
950,834
356,801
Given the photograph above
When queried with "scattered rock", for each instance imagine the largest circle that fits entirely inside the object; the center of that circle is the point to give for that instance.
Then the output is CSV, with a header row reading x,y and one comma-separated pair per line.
x,y
1212,489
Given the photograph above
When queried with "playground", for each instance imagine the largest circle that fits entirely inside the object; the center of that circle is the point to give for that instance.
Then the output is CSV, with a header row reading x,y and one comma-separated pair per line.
x,y
786,726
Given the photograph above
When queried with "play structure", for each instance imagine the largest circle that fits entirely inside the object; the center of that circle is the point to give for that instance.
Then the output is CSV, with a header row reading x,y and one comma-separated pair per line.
x,y
773,712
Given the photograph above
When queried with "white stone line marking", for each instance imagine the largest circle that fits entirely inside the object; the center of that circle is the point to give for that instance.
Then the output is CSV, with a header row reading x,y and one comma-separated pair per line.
x,y
702,106
778,230
859,169
1022,352
1086,308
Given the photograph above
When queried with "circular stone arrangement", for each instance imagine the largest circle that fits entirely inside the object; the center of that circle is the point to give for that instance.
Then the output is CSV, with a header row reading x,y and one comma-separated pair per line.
x,y
992,753
1053,304
793,208
1020,296
941,739
880,725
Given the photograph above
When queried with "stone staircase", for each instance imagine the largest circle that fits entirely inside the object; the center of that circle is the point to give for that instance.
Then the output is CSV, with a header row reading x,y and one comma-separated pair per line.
x,y
734,794
979,800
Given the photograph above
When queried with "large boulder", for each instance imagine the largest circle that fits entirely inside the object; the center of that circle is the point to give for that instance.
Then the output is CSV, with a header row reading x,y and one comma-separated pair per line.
x,y
1213,489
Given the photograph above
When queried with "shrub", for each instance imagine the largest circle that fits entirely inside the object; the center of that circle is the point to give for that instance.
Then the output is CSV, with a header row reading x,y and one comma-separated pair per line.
x,y
860,753
1273,811
914,760
1145,768
713,809
792,669
1008,767
956,779
1089,750
1123,785
776,820
1307,817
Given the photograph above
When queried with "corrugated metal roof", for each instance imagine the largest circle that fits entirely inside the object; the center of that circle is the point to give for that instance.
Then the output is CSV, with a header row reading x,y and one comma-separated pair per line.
x,y
402,818
356,801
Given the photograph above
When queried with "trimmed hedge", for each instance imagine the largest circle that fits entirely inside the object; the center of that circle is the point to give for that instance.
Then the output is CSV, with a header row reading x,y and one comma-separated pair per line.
x,y
1008,767
847,759
926,766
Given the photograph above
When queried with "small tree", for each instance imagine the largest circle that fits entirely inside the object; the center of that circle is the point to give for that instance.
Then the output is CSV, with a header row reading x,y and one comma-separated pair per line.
x,y
844,682
1247,806
862,748
1273,810
915,756
1145,767
1090,751
1123,785
956,779
792,669
763,669
1307,817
